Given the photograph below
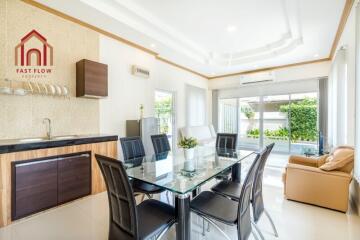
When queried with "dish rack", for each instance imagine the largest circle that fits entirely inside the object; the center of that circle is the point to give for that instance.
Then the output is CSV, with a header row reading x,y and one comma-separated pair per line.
x,y
23,88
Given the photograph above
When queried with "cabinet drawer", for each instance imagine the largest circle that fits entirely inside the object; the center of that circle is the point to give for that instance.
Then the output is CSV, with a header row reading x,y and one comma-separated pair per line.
x,y
74,177
34,187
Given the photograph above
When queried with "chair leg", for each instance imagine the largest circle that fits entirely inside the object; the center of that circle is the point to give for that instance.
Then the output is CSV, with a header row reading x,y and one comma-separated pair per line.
x,y
148,196
217,227
258,230
203,227
164,231
272,223
254,234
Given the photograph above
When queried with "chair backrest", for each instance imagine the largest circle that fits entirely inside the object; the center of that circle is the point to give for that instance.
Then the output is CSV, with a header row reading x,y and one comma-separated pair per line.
x,y
160,143
132,147
122,205
256,195
161,156
244,210
226,140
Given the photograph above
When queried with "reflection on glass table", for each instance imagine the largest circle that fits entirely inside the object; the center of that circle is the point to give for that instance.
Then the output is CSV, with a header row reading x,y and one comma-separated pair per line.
x,y
168,170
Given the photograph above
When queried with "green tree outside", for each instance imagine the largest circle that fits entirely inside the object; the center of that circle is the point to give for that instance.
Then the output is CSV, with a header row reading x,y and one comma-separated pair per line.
x,y
303,122
303,119
163,112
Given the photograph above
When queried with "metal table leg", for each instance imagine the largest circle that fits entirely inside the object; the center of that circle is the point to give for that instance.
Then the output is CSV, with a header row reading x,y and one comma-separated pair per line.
x,y
196,192
182,207
236,173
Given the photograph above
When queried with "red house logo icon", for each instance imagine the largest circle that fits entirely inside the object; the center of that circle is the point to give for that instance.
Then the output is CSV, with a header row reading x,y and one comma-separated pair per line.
x,y
36,56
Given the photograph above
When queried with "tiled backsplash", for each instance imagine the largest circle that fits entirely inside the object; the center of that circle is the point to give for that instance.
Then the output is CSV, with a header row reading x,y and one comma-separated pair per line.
x,y
21,116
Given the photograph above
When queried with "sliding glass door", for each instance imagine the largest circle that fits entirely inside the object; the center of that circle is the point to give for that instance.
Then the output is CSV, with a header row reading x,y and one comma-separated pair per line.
x,y
228,112
303,114
288,120
165,112
276,122
249,123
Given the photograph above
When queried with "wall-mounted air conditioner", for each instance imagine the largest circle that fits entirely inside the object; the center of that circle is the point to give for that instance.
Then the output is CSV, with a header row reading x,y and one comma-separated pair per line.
x,y
140,71
257,78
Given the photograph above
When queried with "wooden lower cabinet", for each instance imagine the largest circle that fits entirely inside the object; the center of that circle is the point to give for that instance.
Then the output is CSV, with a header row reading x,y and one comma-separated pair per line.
x,y
40,184
35,187
74,177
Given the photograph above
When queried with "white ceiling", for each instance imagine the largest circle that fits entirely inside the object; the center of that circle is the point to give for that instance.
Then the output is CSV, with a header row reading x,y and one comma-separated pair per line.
x,y
195,33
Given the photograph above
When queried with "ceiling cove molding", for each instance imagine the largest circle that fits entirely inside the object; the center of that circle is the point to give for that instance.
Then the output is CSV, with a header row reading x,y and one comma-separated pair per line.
x,y
181,67
270,68
287,43
142,21
136,17
343,20
345,15
276,52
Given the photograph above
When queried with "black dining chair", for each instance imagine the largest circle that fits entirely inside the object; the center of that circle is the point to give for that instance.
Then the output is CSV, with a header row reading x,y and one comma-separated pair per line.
x,y
211,206
133,149
129,221
232,189
257,195
225,141
160,143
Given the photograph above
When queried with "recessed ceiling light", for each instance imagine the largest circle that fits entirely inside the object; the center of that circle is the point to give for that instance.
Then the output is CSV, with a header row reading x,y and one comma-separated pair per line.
x,y
231,28
316,55
153,45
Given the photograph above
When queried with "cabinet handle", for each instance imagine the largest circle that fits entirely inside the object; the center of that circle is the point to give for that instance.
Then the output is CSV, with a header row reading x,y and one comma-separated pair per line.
x,y
36,162
69,158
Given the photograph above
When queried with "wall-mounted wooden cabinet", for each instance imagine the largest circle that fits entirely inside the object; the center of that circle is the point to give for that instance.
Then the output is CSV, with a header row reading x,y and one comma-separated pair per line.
x,y
91,79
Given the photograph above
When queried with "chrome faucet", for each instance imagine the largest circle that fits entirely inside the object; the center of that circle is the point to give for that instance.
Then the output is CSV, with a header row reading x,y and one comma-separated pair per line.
x,y
48,130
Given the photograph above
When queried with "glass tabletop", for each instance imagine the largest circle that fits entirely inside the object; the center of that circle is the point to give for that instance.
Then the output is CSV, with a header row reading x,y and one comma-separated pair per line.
x,y
176,174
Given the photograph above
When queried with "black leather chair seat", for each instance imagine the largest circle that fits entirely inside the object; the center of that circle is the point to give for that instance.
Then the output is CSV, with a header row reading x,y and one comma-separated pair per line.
x,y
154,217
142,187
224,175
216,206
228,188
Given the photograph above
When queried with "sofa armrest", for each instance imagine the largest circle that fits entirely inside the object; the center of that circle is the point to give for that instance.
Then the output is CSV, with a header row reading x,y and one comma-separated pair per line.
x,y
315,186
315,170
302,160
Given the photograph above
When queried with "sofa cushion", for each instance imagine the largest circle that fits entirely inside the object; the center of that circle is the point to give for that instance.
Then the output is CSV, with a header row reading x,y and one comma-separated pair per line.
x,y
341,159
205,135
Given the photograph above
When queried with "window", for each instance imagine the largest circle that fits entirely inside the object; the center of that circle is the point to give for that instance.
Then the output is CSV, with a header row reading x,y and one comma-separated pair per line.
x,y
195,106
289,120
164,111
357,160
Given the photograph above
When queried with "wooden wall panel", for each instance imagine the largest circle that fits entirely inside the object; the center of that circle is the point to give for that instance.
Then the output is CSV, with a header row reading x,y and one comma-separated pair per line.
x,y
98,185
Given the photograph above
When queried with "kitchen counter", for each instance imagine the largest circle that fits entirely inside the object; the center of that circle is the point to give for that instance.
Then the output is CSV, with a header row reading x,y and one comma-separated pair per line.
x,y
17,145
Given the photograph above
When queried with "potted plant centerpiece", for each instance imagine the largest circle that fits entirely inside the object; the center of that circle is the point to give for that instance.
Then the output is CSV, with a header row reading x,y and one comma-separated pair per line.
x,y
188,144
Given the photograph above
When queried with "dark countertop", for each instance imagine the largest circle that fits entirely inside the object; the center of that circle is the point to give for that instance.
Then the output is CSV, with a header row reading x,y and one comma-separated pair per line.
x,y
17,145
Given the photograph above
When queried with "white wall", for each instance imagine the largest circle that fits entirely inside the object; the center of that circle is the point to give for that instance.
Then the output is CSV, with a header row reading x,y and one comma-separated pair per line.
x,y
348,40
127,92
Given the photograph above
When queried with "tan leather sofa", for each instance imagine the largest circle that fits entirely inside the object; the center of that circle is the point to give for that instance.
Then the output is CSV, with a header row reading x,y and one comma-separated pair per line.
x,y
305,181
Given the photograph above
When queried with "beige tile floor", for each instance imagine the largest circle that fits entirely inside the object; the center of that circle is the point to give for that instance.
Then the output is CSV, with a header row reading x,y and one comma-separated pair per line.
x,y
87,218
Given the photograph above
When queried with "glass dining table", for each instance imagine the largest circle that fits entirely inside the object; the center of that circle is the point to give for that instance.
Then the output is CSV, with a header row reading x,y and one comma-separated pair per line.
x,y
185,177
